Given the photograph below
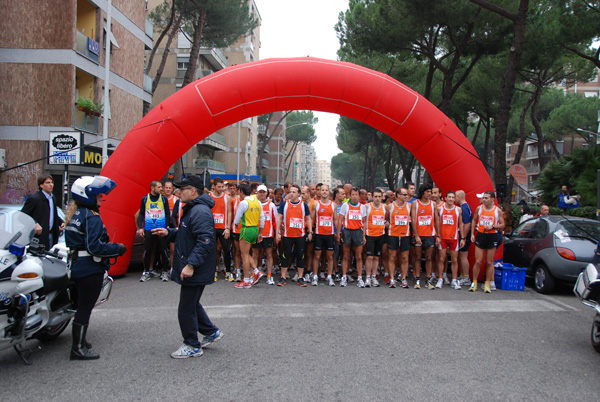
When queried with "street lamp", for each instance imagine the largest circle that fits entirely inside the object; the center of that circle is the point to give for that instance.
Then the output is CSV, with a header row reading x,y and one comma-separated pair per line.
x,y
279,144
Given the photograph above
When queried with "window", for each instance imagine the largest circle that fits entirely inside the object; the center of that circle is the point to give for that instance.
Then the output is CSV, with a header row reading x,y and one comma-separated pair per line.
x,y
183,62
182,41
525,229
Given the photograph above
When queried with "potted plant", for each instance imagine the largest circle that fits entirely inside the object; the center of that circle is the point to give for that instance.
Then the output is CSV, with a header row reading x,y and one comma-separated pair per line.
x,y
89,107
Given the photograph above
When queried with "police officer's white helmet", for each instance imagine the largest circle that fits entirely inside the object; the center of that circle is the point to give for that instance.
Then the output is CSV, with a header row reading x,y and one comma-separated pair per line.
x,y
86,188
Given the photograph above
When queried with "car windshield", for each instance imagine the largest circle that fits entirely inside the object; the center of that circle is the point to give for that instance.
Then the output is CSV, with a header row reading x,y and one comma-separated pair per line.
x,y
12,222
587,229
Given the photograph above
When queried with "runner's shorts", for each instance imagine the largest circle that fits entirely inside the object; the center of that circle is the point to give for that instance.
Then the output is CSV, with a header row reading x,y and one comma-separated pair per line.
x,y
249,234
467,243
426,242
486,241
374,245
267,242
401,243
450,244
324,242
353,237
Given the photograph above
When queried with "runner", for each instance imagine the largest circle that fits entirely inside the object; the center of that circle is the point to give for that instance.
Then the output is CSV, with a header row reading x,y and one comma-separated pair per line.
x,y
223,217
265,247
293,222
309,247
375,226
448,226
324,214
485,236
278,250
172,199
423,218
235,231
463,253
249,216
353,215
398,214
338,201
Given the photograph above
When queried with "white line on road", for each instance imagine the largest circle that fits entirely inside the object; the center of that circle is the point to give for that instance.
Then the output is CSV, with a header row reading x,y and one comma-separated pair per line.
x,y
300,310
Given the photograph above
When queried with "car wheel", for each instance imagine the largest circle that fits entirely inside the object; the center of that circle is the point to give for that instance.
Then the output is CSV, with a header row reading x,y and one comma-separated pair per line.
x,y
596,333
543,281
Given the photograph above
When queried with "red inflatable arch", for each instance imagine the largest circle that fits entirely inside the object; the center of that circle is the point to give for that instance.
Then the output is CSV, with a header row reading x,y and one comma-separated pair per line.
x,y
247,90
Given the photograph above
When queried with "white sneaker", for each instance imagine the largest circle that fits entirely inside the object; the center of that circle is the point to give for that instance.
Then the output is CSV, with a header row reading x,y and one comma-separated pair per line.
x,y
360,282
330,281
455,284
368,282
295,278
439,283
270,281
445,278
492,286
337,277
374,282
186,351
322,276
238,276
315,280
307,277
465,281
343,282
350,278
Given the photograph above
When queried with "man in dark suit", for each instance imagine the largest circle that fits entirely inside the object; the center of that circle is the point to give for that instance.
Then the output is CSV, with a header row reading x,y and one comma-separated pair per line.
x,y
41,206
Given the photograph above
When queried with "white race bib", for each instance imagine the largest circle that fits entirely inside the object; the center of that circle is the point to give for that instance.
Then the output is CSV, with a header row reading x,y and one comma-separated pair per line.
x,y
400,220
219,218
424,220
326,221
447,220
486,220
354,216
296,223
378,220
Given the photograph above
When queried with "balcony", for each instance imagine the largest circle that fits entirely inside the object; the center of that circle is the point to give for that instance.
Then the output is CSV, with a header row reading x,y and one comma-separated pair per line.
x,y
85,122
267,148
215,141
147,83
262,129
87,47
202,163
265,163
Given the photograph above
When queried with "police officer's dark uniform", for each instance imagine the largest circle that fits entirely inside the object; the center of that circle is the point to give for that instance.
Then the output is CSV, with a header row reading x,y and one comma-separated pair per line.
x,y
90,253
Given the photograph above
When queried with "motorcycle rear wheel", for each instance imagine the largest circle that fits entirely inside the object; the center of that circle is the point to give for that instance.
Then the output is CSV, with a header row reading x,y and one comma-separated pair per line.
x,y
49,335
596,333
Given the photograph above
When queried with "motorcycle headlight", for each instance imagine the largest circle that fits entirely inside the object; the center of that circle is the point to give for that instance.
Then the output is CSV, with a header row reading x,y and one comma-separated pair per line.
x,y
16,249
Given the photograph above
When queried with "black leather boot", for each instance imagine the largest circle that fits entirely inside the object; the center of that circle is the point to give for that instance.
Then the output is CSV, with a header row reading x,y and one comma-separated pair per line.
x,y
79,351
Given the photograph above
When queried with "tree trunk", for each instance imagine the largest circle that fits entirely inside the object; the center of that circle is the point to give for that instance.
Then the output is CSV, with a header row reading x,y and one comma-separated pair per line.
x,y
195,50
267,138
476,132
161,36
486,145
508,83
538,128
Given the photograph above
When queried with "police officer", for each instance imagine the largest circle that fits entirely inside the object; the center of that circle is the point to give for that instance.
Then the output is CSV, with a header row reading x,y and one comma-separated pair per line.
x,y
90,252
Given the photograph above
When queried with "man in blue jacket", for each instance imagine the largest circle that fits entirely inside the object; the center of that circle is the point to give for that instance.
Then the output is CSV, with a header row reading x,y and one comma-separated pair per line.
x,y
193,266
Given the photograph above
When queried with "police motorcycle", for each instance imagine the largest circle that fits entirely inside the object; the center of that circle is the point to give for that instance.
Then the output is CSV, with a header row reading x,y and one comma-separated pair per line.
x,y
587,289
37,297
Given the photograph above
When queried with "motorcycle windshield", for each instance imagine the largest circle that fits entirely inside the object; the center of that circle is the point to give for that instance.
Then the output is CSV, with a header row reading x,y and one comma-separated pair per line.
x,y
15,227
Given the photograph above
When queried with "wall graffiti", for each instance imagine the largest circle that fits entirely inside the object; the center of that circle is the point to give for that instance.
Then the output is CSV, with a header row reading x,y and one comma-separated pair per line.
x,y
17,183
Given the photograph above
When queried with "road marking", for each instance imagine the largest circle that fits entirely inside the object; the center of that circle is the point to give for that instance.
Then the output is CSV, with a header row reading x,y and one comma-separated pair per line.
x,y
300,310
553,300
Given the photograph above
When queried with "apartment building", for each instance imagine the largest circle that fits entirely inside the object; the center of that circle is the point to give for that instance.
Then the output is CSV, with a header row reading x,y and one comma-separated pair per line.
x,y
324,172
306,168
230,150
52,55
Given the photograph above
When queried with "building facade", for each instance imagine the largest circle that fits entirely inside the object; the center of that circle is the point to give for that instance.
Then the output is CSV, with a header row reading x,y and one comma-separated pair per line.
x,y
324,172
52,55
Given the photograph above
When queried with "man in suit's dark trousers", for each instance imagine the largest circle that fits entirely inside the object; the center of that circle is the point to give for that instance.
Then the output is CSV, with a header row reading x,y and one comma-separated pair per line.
x,y
47,226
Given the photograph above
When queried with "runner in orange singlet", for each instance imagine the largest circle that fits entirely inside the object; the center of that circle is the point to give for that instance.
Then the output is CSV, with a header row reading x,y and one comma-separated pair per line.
x,y
223,217
449,224
323,213
376,224
423,219
398,215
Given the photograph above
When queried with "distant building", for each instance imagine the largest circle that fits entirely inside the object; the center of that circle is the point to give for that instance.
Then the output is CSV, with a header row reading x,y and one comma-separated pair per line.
x,y
324,172
307,164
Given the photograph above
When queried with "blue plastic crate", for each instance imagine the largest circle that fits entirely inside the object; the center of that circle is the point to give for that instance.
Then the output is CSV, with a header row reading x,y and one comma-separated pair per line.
x,y
509,277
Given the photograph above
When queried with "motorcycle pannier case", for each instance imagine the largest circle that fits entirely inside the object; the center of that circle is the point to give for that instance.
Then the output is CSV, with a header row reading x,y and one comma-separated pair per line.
x,y
587,286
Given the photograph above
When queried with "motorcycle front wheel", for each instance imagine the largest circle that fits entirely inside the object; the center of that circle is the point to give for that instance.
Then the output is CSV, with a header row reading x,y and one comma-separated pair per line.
x,y
49,335
596,333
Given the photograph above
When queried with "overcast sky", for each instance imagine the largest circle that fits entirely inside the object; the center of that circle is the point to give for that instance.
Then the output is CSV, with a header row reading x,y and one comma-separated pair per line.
x,y
292,28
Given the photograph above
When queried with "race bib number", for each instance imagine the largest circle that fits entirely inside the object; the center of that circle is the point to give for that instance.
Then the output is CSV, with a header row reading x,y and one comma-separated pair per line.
x,y
424,220
486,220
326,221
267,217
400,220
355,217
155,213
219,218
296,223
447,220
378,220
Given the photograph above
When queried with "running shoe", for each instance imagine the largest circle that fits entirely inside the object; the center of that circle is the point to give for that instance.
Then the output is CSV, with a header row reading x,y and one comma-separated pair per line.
x,y
229,277
350,278
330,281
295,278
256,278
405,283
486,288
386,278
145,277
400,276
337,277
216,276
322,276
473,287
243,285
374,282
418,284
164,276
186,351
301,282
368,282
315,280
445,278
392,283
154,274
430,285
270,281
439,283
455,284
308,277
207,340
465,281
238,276
343,282
492,286
282,282
360,282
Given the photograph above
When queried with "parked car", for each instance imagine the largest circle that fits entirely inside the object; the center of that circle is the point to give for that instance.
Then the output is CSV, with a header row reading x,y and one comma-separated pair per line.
x,y
553,248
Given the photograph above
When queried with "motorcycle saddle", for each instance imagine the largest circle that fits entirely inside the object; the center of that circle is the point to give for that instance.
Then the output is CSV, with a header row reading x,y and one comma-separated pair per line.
x,y
55,275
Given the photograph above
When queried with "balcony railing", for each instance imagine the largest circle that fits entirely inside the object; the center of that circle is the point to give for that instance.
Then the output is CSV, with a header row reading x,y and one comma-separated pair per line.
x,y
265,163
87,47
267,148
201,163
85,121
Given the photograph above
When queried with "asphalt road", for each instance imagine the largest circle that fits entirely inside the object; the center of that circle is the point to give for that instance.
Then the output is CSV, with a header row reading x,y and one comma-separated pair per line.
x,y
327,344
